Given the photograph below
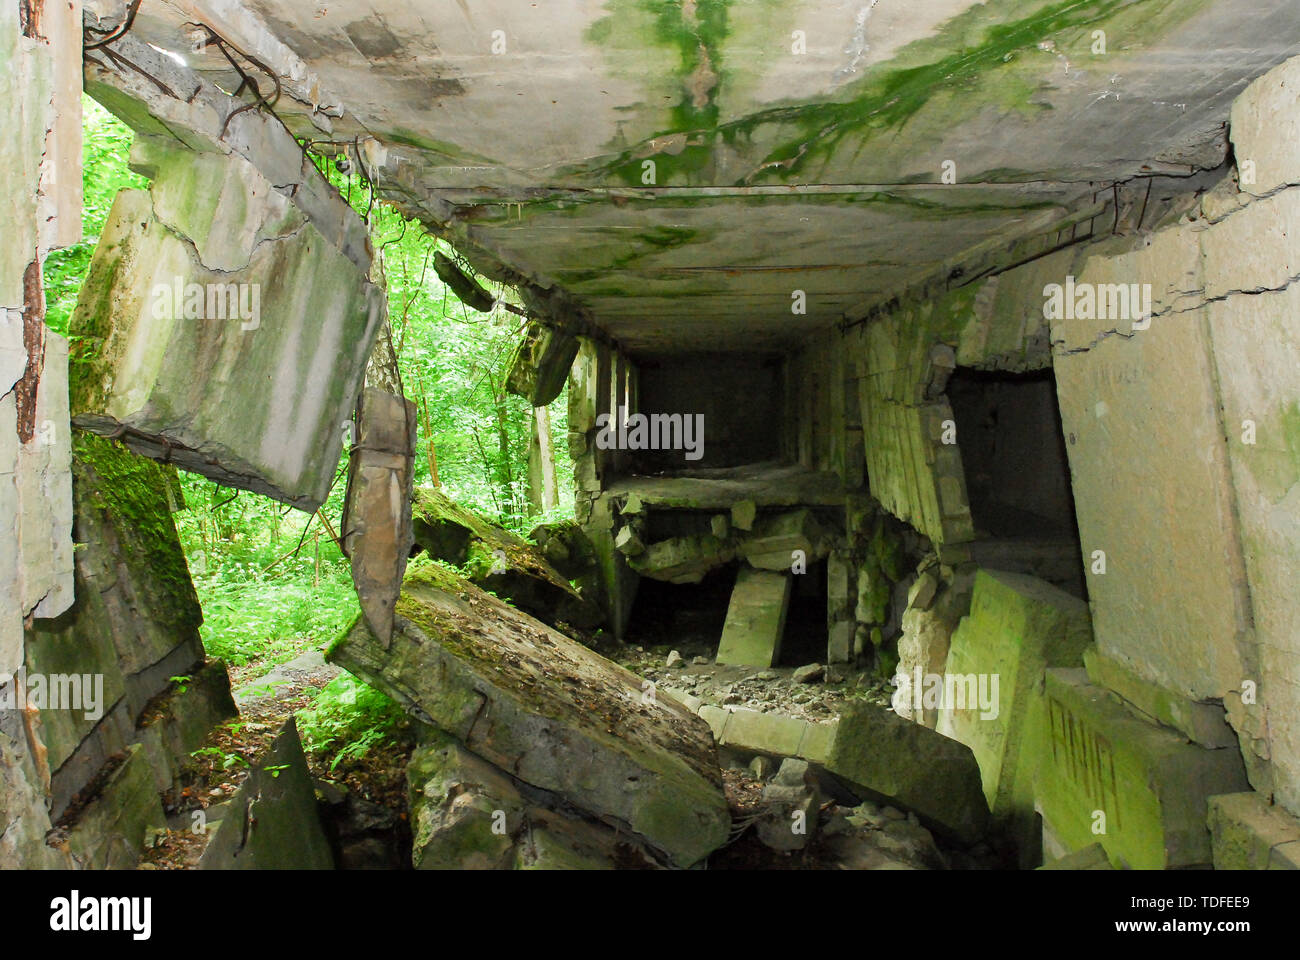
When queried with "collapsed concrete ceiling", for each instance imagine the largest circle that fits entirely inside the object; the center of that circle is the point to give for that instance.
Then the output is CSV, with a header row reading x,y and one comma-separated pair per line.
x,y
521,131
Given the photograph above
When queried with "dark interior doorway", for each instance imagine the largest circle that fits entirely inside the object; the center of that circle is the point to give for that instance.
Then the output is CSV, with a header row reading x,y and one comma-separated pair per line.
x,y
686,616
1013,451
805,636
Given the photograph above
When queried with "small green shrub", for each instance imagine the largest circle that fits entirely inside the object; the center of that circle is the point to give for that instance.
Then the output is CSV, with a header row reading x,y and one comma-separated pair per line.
x,y
346,719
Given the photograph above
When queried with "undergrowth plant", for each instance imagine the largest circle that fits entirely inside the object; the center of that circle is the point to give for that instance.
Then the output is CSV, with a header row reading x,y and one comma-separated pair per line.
x,y
346,719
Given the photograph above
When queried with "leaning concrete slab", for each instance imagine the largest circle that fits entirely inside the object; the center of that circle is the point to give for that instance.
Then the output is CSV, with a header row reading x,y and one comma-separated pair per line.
x,y
376,520
273,823
751,635
175,354
1104,775
883,757
226,319
553,713
1156,576
1017,627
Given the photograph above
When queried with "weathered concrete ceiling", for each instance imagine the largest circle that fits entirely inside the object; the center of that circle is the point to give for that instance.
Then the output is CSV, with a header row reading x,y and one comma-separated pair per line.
x,y
775,171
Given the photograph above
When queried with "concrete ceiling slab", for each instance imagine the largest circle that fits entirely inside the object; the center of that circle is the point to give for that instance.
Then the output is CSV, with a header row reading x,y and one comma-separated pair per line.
x,y
795,144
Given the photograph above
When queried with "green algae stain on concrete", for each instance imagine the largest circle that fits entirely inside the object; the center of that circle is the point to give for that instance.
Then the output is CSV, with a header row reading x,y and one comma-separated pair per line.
x,y
992,56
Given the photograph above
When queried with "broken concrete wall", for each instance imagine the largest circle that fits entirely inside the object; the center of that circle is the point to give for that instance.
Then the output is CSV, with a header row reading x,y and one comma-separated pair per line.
x,y
40,66
134,627
228,312
911,470
1183,448
1179,419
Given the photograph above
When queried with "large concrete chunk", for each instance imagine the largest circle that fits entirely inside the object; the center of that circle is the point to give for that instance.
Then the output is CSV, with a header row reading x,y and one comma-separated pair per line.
x,y
245,376
1017,627
751,635
468,815
498,560
1158,533
273,822
683,559
377,513
548,710
1103,775
1249,833
883,757
226,319
464,811
541,365
778,542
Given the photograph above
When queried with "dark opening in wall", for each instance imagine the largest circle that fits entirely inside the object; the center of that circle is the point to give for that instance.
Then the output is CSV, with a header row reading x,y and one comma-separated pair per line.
x,y
805,635
738,396
1013,452
685,616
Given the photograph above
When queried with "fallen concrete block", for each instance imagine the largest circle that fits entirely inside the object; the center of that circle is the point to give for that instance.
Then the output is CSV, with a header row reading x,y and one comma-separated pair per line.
x,y
882,757
468,815
1104,775
498,560
751,634
683,559
553,713
273,822
376,524
793,799
772,734
773,543
464,812
1017,627
1249,833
